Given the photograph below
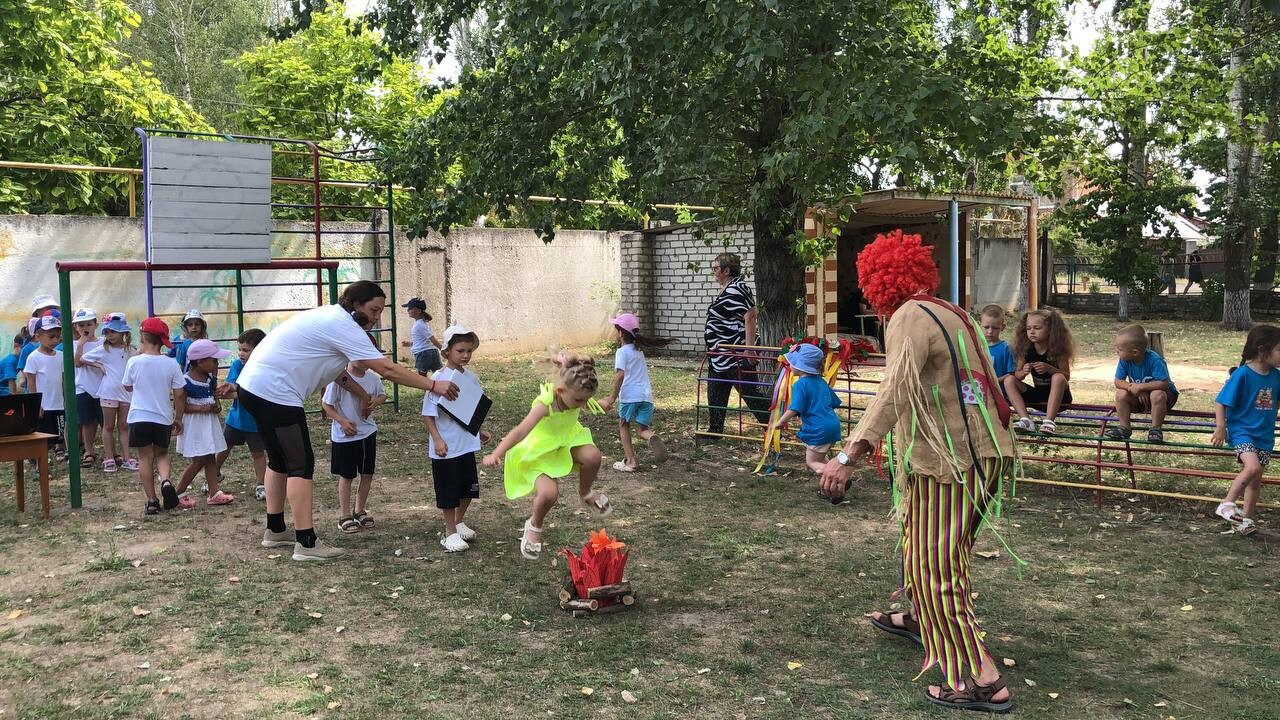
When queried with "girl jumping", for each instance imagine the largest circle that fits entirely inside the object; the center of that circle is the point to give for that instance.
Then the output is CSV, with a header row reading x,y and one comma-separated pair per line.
x,y
1245,412
1043,348
631,386
549,444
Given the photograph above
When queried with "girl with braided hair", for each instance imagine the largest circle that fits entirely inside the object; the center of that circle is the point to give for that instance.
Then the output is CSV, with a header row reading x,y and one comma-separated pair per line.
x,y
550,443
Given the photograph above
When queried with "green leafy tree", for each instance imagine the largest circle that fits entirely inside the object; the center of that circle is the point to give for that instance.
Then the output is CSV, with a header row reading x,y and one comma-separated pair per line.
x,y
69,94
761,108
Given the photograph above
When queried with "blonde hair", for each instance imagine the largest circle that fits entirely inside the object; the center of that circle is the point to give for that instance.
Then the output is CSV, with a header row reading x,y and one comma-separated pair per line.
x,y
993,311
575,372
1134,336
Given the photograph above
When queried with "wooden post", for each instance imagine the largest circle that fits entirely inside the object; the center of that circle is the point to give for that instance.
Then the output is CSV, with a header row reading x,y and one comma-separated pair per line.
x,y
1155,343
1033,256
133,194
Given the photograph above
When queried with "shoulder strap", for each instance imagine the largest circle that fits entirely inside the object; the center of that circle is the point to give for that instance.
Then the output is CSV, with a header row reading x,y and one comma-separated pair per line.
x,y
987,372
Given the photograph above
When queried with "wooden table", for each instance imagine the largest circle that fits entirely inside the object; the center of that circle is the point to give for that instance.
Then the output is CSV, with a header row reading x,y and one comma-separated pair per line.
x,y
19,449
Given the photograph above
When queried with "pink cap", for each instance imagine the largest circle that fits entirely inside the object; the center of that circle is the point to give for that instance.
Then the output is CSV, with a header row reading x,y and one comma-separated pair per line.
x,y
202,349
628,322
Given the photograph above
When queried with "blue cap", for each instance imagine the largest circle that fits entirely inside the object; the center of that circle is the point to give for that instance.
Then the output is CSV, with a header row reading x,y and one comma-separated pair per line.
x,y
806,358
115,322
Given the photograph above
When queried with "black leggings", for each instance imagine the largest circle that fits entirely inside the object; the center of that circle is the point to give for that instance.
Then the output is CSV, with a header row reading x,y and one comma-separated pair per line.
x,y
283,429
722,381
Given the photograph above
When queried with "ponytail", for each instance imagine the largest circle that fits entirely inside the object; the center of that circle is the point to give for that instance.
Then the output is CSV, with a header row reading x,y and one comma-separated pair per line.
x,y
644,342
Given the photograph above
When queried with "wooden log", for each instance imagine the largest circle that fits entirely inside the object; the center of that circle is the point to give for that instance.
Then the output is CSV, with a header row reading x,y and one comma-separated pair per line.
x,y
629,599
592,605
581,613
565,595
608,591
610,609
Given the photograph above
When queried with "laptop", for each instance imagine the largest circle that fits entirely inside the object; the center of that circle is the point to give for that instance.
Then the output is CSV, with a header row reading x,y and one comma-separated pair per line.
x,y
19,413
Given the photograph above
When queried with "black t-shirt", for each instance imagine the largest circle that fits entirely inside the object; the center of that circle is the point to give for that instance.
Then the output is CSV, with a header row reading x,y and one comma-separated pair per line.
x,y
1035,356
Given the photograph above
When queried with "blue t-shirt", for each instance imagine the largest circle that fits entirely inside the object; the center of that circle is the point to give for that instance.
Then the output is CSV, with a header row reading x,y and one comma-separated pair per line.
x,y
1151,369
1001,359
237,417
8,371
179,351
1250,400
27,349
815,402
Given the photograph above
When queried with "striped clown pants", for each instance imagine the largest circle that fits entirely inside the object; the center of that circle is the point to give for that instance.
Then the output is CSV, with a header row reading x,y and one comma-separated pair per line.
x,y
940,522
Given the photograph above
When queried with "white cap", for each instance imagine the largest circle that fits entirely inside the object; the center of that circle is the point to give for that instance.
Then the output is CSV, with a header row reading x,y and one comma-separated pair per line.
x,y
454,330
192,314
43,301
48,322
84,315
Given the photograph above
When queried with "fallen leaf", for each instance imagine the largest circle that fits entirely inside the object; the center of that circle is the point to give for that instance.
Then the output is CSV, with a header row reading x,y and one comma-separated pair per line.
x,y
988,554
332,590
399,552
587,691
395,595
417,665
339,629
1188,608
704,671
1127,701
15,614
635,671
119,527
315,615
144,665
628,697
1101,597
1053,696
328,689
506,617
312,676
794,665
138,563
140,612
1161,704
1009,662
334,705
233,579
1029,682
274,557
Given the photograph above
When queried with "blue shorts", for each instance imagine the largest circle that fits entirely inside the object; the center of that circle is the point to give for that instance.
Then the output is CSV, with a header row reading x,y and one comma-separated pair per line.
x,y
640,413
427,361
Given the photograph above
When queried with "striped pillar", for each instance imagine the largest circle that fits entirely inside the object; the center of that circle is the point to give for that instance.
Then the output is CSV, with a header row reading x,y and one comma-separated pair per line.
x,y
820,289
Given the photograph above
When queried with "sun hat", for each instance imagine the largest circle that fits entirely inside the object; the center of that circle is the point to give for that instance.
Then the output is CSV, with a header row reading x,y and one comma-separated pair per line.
x,y
84,315
156,326
627,321
806,358
416,302
202,349
48,322
455,330
41,302
115,322
192,314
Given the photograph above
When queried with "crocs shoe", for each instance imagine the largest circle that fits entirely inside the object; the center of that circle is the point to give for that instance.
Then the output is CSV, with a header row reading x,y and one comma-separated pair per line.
x,y
454,543
622,466
185,502
467,533
220,498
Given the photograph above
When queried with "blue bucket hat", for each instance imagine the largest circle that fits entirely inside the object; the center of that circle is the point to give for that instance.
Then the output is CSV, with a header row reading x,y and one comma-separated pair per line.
x,y
806,358
115,322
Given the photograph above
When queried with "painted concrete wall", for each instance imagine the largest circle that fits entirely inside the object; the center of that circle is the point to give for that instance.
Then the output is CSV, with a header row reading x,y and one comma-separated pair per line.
x,y
997,272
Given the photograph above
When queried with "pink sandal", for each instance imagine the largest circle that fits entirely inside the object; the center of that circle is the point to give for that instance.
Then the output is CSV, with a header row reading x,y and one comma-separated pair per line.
x,y
220,498
185,503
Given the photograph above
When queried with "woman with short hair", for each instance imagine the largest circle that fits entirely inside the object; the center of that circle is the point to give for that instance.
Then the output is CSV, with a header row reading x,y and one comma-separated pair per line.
x,y
731,320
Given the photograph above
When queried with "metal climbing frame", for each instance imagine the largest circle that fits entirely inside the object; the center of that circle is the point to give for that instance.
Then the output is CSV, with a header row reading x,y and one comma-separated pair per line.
x,y
328,267
316,158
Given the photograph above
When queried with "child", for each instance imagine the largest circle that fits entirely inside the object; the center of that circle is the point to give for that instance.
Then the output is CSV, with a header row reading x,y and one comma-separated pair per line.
x,y
193,328
9,367
41,306
44,375
110,358
631,387
1142,385
426,358
815,402
151,379
88,379
549,443
452,446
201,437
355,443
1245,412
241,428
992,322
1043,345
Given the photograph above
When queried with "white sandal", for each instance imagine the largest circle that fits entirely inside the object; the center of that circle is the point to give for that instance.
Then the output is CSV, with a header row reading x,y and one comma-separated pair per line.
x,y
528,549
598,504
622,466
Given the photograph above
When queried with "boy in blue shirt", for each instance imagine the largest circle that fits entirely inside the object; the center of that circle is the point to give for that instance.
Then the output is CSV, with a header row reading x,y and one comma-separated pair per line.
x,y
9,369
241,429
1142,385
992,322
815,402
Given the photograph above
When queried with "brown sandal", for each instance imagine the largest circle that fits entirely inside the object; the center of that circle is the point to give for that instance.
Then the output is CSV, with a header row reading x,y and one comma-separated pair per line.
x,y
910,628
973,697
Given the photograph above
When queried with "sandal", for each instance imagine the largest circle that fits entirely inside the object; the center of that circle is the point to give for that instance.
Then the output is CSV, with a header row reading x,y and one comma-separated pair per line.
x,y
153,507
348,524
1155,436
1116,432
109,465
973,697
1246,527
220,498
622,466
364,518
598,504
910,628
1048,427
88,461
530,550
185,502
169,494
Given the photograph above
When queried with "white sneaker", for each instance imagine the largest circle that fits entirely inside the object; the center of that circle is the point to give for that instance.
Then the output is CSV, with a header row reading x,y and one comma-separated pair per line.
x,y
283,538
467,533
1228,511
454,543
260,493
320,552
1025,423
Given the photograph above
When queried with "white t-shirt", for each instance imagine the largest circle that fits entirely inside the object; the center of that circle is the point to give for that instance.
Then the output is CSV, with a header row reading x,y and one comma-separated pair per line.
x,y
421,336
351,408
48,372
303,354
460,441
88,379
153,378
635,377
113,360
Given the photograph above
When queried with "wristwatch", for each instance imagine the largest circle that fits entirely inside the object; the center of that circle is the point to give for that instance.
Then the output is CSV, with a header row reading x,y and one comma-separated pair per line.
x,y
843,459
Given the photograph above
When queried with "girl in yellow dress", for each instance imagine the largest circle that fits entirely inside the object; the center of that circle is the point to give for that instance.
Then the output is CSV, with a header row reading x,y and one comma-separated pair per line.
x,y
551,443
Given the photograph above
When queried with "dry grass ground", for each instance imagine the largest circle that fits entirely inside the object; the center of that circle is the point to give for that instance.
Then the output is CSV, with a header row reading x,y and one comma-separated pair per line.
x,y
1142,610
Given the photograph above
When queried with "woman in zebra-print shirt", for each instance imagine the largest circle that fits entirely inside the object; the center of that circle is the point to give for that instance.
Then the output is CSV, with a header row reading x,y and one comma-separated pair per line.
x,y
731,320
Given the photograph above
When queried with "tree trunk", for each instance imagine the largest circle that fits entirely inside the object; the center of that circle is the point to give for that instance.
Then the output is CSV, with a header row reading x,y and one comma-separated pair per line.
x,y
779,273
1122,305
1237,231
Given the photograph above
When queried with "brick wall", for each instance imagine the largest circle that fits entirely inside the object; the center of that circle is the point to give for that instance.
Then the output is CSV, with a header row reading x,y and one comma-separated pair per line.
x,y
659,285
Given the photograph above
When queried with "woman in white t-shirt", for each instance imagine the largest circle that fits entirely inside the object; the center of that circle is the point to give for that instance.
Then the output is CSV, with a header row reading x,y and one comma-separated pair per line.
x,y
296,360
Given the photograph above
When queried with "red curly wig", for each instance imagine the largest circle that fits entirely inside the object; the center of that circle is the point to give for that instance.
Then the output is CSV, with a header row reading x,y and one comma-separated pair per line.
x,y
893,268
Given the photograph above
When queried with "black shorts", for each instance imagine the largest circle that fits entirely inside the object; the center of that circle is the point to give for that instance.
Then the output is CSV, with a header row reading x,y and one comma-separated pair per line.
x,y
283,429
1038,395
427,361
358,457
455,478
235,436
146,434
53,422
88,410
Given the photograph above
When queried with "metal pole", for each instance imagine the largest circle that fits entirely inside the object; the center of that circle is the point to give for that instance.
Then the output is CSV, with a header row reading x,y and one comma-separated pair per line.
x,y
240,301
69,389
146,223
954,220
391,282
333,285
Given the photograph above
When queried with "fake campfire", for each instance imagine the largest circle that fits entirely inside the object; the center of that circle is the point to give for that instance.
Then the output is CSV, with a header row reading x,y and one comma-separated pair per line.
x,y
596,585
